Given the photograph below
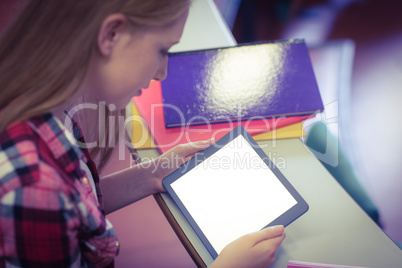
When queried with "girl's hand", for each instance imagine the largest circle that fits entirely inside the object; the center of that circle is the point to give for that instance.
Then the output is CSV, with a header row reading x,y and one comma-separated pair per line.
x,y
252,250
174,158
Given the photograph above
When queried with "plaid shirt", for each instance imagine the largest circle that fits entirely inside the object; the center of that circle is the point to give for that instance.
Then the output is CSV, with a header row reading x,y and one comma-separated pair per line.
x,y
50,217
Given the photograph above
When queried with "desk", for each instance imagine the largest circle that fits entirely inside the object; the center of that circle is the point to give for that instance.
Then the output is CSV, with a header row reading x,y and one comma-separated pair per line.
x,y
334,230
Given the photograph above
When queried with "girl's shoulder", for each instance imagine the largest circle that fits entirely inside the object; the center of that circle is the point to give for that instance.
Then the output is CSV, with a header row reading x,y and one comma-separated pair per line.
x,y
19,157
28,155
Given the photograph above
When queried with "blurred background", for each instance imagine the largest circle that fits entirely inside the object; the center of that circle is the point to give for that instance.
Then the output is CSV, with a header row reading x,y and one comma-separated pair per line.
x,y
368,78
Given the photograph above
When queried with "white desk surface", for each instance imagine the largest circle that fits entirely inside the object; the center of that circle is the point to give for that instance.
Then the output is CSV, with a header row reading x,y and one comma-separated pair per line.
x,y
334,230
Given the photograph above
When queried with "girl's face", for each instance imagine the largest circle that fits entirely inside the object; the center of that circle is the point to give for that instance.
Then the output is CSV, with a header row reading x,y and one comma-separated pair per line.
x,y
130,60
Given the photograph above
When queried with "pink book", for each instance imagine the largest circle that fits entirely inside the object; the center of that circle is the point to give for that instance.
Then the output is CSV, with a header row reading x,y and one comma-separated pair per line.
x,y
299,264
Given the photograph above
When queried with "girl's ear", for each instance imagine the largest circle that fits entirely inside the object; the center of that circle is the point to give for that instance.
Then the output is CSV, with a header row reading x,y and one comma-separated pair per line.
x,y
110,32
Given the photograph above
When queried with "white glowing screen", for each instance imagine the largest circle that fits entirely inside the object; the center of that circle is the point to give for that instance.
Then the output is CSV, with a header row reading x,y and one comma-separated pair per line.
x,y
232,193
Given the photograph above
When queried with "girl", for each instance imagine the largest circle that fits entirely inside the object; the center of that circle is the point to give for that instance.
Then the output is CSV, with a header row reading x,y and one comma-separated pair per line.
x,y
55,55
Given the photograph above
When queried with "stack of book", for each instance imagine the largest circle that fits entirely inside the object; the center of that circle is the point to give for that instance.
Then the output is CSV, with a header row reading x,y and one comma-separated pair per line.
x,y
269,88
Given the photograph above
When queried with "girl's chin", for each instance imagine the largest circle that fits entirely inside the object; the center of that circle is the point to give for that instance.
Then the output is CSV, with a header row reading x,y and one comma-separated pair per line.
x,y
120,105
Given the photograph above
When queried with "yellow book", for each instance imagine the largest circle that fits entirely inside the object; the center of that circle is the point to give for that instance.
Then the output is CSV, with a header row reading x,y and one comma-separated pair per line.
x,y
291,131
141,138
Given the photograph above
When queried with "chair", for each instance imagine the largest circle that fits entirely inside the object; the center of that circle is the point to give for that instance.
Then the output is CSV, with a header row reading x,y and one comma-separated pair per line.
x,y
321,142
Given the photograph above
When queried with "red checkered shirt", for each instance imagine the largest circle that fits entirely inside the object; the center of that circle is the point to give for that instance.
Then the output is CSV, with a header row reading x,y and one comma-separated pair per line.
x,y
50,216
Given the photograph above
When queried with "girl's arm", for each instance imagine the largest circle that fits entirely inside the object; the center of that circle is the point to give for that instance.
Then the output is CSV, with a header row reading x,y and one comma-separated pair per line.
x,y
132,184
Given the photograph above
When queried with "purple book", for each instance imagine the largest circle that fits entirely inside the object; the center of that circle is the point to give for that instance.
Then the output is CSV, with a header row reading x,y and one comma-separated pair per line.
x,y
246,82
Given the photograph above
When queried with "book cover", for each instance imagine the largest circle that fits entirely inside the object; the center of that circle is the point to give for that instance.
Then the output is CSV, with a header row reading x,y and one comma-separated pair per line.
x,y
246,82
150,107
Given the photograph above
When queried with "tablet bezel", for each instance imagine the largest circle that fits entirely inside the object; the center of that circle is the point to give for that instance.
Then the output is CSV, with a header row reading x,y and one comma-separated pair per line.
x,y
285,219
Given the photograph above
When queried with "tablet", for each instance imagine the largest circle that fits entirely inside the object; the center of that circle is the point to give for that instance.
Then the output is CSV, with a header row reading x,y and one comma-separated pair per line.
x,y
231,189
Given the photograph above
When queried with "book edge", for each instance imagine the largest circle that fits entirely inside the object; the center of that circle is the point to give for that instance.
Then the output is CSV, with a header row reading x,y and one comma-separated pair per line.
x,y
217,121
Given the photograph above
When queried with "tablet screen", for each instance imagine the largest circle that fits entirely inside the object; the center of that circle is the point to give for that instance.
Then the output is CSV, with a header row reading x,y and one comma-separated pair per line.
x,y
231,193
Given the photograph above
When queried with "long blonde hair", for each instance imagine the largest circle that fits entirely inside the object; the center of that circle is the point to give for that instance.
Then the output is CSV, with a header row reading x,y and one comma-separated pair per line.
x,y
46,51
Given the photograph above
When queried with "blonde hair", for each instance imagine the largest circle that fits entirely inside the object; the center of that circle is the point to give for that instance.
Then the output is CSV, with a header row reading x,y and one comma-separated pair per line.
x,y
45,53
